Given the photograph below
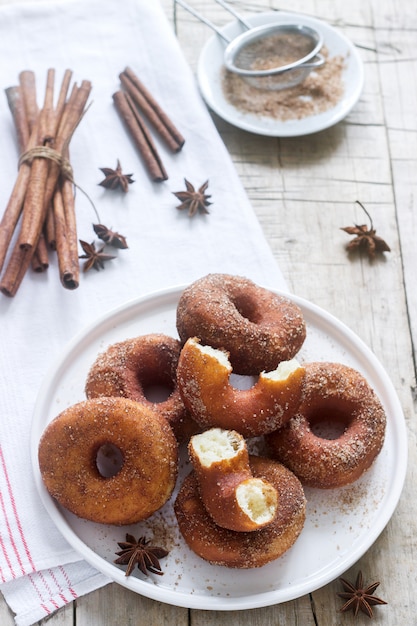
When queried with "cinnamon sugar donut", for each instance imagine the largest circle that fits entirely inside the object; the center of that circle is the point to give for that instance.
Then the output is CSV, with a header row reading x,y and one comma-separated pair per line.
x,y
69,449
220,546
335,397
128,368
257,327
232,496
204,382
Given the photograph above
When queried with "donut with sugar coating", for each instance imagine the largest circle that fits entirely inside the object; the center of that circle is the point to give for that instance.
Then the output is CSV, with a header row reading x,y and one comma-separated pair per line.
x,y
128,368
257,327
68,452
233,497
243,550
334,395
203,376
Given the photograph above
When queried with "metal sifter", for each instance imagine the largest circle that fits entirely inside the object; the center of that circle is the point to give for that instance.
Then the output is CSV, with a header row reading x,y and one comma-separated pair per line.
x,y
272,56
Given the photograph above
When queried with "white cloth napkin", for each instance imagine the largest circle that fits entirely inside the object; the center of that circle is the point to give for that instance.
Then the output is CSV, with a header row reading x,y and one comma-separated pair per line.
x,y
39,571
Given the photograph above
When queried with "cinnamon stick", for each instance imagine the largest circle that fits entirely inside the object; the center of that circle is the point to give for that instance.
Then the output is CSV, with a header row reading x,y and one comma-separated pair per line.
x,y
68,272
45,172
40,261
70,275
141,136
62,97
65,227
63,200
18,264
16,103
15,204
34,209
12,212
49,228
72,113
38,177
27,82
153,111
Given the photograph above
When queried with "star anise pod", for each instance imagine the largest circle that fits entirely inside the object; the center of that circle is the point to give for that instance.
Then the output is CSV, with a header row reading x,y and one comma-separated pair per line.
x,y
366,238
110,237
95,258
139,552
115,178
359,598
193,200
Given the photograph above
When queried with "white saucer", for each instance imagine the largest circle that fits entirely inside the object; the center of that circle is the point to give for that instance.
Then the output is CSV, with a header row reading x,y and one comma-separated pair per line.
x,y
209,75
341,523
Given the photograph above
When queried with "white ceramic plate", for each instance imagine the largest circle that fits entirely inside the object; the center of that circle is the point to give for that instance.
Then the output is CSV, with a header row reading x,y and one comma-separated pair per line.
x,y
341,524
209,74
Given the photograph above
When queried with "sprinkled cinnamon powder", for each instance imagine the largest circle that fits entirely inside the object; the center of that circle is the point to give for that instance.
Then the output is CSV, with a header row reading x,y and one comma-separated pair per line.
x,y
320,91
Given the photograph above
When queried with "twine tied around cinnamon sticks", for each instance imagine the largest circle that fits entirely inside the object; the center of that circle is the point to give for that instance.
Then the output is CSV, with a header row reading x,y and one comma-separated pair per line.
x,y
45,152
40,213
65,170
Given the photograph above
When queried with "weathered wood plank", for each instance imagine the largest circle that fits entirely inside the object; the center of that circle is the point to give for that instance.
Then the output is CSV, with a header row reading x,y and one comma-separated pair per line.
x,y
6,616
117,605
298,612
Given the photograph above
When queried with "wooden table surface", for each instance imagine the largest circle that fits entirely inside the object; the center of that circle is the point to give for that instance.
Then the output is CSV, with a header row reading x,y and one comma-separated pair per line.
x,y
304,190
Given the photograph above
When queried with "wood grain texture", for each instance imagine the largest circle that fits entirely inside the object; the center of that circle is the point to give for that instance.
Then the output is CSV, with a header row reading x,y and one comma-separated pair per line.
x,y
303,191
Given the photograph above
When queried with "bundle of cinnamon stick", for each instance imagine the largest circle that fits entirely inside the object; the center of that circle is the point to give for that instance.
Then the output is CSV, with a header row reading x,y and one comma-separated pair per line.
x,y
40,213
135,103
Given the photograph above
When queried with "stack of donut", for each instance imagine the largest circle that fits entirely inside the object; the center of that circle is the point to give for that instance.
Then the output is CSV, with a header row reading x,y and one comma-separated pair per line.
x,y
237,510
229,324
234,509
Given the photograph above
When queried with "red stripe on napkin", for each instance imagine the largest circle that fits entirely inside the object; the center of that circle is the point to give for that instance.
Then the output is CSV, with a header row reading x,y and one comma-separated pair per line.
x,y
12,521
68,581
